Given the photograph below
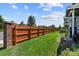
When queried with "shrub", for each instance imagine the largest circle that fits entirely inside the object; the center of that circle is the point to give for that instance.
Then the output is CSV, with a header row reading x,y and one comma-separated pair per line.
x,y
67,52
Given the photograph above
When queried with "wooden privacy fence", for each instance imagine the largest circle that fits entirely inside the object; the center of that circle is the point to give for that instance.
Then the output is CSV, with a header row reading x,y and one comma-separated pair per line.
x,y
21,33
14,34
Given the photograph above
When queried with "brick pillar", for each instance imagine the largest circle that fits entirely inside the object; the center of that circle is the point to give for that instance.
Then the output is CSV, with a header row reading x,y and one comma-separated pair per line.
x,y
7,34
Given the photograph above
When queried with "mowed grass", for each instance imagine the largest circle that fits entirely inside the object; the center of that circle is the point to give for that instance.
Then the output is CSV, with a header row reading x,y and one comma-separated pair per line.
x,y
45,45
1,30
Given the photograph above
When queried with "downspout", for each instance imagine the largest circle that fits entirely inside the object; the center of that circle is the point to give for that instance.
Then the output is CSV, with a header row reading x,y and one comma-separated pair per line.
x,y
73,21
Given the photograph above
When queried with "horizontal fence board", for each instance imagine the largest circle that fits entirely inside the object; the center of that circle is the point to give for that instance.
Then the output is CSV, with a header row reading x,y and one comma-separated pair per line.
x,y
21,38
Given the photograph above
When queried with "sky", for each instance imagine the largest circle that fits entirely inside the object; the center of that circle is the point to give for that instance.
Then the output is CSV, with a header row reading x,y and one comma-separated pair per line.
x,y
44,13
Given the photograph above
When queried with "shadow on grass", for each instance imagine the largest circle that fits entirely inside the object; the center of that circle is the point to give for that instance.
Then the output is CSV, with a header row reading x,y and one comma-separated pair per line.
x,y
2,48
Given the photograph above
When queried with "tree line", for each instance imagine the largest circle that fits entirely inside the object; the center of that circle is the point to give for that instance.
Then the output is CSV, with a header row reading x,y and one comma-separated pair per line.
x,y
30,22
1,22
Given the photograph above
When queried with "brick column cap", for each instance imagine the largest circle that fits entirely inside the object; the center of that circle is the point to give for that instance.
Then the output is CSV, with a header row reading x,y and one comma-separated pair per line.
x,y
7,22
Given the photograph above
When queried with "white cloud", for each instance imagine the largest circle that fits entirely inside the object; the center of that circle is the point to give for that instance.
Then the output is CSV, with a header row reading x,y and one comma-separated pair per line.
x,y
26,7
48,6
35,14
14,6
55,5
46,9
28,14
54,16
5,18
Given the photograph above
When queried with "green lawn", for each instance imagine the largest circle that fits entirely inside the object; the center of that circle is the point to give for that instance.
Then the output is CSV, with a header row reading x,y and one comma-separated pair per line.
x,y
45,45
0,30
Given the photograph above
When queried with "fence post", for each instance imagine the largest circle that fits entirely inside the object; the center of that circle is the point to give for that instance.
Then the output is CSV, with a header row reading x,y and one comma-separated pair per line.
x,y
46,30
38,31
14,35
43,31
29,31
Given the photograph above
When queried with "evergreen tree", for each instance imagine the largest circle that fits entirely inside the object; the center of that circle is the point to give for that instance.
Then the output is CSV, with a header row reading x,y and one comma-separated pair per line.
x,y
31,21
22,23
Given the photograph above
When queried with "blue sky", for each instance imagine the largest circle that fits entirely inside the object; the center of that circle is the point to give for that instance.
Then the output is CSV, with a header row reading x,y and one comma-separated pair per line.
x,y
45,13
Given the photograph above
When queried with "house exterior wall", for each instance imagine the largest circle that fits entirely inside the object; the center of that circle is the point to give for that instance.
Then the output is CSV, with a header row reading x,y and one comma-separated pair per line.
x,y
77,24
72,24
71,20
